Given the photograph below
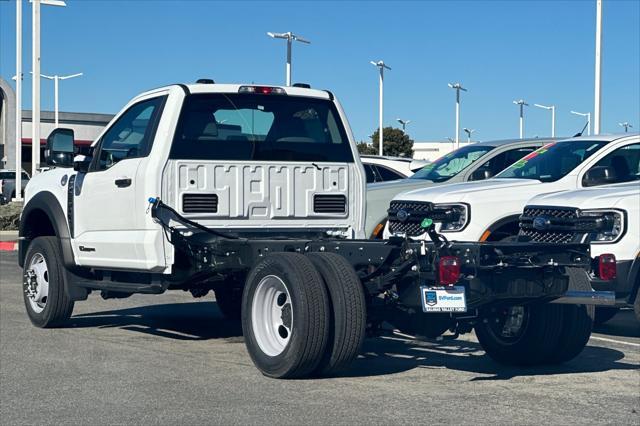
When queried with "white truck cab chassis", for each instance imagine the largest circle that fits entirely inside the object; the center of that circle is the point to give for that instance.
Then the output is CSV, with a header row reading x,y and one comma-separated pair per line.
x,y
257,193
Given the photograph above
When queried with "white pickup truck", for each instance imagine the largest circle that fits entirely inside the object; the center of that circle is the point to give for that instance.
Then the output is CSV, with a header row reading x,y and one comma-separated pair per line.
x,y
490,210
257,193
609,217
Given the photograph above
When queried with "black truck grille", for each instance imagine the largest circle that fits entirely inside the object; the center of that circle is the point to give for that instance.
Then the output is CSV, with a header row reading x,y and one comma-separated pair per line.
x,y
409,221
200,203
558,225
330,203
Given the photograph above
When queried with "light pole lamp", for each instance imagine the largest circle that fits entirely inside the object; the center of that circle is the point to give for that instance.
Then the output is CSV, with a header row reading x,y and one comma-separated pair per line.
x,y
35,82
521,103
468,132
585,114
381,66
403,123
457,87
56,79
290,37
553,117
626,126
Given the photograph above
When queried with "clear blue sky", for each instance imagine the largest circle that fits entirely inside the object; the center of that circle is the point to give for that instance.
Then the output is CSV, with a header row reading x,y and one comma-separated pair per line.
x,y
541,51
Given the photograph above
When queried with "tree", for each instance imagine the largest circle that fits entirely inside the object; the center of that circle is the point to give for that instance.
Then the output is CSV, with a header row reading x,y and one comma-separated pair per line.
x,y
366,148
395,143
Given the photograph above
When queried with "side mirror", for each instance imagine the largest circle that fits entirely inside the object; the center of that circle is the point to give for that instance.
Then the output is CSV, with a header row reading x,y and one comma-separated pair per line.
x,y
599,175
481,174
59,152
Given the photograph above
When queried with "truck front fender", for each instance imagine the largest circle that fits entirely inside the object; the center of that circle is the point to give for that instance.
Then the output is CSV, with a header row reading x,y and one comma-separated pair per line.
x,y
43,216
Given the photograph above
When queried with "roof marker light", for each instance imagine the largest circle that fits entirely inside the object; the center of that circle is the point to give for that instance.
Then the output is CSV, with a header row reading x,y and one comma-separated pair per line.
x,y
262,90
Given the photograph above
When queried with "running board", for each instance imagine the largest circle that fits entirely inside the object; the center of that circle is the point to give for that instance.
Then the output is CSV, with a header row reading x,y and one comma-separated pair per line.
x,y
599,298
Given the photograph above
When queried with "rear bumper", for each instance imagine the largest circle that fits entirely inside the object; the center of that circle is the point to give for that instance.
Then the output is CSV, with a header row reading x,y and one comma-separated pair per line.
x,y
623,285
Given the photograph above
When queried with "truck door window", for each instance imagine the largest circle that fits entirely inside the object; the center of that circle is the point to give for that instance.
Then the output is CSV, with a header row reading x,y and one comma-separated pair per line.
x,y
368,170
623,164
131,135
388,174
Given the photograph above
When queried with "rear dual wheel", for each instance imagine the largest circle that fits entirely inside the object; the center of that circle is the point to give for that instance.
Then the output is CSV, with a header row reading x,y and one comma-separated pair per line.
x,y
302,315
538,334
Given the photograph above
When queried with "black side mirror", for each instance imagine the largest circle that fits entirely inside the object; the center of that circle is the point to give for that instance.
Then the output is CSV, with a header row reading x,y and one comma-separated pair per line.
x,y
60,151
481,174
599,175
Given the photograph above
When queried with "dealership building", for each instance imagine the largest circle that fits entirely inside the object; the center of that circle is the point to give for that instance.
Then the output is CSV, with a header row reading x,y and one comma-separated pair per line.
x,y
86,126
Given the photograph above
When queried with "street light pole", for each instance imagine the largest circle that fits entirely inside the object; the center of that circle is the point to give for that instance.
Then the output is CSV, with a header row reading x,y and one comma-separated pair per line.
x,y
381,66
35,82
598,74
56,80
290,37
18,190
553,117
522,104
457,87
403,123
626,126
585,114
468,132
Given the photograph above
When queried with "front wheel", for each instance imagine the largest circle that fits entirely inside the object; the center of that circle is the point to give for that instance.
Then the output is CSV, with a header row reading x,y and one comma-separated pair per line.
x,y
285,316
45,299
521,335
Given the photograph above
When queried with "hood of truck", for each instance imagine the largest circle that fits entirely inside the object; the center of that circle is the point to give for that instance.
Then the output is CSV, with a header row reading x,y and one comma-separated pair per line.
x,y
624,195
467,191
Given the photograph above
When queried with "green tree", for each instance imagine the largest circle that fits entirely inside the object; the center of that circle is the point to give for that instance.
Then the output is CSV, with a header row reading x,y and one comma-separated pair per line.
x,y
366,148
395,143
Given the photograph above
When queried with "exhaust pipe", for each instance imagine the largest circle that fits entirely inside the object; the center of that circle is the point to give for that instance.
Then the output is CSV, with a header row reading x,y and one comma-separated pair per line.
x,y
598,298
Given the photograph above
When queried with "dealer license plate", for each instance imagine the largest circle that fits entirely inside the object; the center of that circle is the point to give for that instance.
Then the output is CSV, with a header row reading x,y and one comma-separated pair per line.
x,y
443,299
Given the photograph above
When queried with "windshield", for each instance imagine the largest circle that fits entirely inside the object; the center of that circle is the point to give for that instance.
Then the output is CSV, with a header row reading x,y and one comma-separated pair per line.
x,y
260,127
446,167
553,161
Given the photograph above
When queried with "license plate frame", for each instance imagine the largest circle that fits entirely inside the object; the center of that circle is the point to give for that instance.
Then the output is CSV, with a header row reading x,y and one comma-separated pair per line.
x,y
443,299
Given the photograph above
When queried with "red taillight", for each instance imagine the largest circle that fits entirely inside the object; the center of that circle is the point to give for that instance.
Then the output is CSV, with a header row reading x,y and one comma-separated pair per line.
x,y
448,270
607,267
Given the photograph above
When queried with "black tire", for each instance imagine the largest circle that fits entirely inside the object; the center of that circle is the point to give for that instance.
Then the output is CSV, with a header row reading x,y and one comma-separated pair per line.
x,y
534,343
58,307
309,321
229,301
577,322
604,314
348,313
636,305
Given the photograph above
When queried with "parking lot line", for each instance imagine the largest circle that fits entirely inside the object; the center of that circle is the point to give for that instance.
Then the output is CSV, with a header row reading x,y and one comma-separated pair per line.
x,y
604,339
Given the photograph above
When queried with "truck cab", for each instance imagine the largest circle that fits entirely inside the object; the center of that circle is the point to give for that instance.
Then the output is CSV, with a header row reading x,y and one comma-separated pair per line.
x,y
248,159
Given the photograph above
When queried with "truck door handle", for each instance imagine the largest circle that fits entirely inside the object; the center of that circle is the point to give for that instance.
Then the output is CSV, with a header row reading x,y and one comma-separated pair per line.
x,y
123,183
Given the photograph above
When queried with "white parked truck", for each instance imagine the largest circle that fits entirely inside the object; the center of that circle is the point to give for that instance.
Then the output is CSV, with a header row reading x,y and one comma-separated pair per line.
x,y
608,217
257,193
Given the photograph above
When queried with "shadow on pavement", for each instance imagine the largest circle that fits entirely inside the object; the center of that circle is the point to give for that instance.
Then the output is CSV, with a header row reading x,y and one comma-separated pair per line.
x,y
390,355
181,321
379,356
624,324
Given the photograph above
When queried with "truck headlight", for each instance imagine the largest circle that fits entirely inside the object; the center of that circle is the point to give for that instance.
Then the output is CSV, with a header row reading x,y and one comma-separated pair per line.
x,y
463,213
608,225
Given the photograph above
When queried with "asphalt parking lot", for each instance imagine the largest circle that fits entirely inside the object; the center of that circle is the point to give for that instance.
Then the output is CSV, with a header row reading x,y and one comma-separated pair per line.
x,y
172,359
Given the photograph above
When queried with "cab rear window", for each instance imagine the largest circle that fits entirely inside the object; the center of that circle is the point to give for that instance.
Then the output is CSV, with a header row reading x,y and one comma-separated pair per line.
x,y
260,127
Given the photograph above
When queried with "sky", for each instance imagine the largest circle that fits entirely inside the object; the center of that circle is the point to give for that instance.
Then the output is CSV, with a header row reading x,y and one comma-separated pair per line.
x,y
540,51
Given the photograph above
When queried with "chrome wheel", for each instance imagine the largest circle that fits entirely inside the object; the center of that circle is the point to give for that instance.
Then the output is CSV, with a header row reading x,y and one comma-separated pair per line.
x,y
272,315
36,284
